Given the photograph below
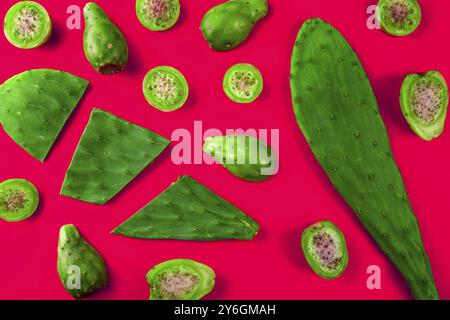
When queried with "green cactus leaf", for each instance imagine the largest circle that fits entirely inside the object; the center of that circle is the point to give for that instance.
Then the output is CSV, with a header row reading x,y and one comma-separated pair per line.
x,y
188,210
35,105
110,154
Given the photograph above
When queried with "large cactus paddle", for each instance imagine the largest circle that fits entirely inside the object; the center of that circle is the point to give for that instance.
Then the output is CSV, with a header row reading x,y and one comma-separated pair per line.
x,y
338,113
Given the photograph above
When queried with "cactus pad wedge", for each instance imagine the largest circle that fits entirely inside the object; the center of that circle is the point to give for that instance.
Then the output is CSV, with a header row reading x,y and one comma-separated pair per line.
x,y
187,210
229,24
399,17
81,268
35,105
104,45
325,250
180,279
158,15
338,114
19,199
424,102
246,157
110,154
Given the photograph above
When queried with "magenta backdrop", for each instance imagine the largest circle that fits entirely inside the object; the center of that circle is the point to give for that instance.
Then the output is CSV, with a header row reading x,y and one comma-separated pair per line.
x,y
272,265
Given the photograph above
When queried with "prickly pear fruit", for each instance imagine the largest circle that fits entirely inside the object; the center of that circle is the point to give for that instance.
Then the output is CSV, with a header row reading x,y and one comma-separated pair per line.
x,y
228,25
180,279
80,267
19,199
35,105
243,83
187,210
338,114
111,153
325,249
158,15
246,157
424,102
104,45
399,17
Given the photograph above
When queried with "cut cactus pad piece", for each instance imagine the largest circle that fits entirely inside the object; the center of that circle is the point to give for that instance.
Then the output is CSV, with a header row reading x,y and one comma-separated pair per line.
x,y
111,153
35,105
188,210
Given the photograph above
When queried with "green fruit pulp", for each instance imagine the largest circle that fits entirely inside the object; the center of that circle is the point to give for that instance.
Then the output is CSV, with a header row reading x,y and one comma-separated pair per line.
x,y
19,199
325,249
27,25
158,15
165,88
243,83
399,17
180,279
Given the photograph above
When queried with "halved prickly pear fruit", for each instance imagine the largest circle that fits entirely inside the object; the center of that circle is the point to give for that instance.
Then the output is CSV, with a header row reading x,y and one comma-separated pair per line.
x,y
19,199
399,17
424,103
158,15
180,279
228,25
104,45
325,249
81,268
246,157
243,83
27,25
165,88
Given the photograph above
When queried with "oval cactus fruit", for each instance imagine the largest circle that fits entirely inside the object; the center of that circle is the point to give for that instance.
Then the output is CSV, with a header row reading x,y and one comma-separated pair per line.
x,y
165,88
158,15
27,25
104,45
228,25
399,17
243,83
180,279
424,102
325,249
19,199
80,267
246,157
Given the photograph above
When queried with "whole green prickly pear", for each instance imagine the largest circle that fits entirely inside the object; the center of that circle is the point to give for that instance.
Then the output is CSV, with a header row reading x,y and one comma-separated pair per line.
x,y
80,267
104,44
227,25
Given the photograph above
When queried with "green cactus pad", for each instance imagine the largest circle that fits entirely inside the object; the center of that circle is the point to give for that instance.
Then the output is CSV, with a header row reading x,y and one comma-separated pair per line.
x,y
243,83
158,15
399,17
325,250
338,114
229,24
424,102
27,25
110,154
35,105
104,45
246,157
19,199
180,279
81,268
188,210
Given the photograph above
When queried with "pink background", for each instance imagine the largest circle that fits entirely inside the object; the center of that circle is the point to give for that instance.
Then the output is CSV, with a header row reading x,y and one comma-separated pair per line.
x,y
272,265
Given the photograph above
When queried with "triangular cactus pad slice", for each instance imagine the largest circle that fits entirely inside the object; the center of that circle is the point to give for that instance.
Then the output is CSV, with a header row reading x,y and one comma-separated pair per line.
x,y
188,210
110,154
35,105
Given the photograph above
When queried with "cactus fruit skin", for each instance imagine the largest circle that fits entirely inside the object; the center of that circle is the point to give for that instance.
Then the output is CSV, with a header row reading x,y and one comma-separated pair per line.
x,y
193,280
420,89
19,199
242,155
79,262
338,114
104,44
35,105
399,18
323,243
228,25
110,154
188,210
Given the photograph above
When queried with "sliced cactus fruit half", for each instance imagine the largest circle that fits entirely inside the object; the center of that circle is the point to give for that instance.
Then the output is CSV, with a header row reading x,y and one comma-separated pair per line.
x,y
19,199
35,105
188,210
110,154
